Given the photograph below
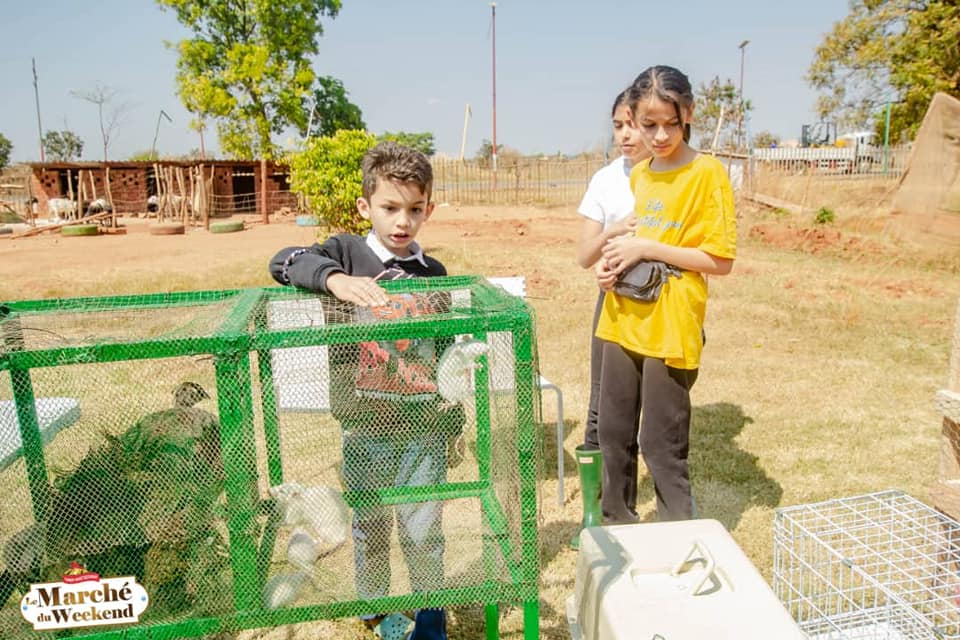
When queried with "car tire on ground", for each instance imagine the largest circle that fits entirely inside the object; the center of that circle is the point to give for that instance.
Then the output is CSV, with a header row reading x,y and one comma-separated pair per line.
x,y
80,230
228,226
166,229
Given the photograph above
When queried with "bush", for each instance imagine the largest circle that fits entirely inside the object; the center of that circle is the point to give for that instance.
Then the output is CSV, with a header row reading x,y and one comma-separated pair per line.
x,y
327,173
422,142
5,148
824,215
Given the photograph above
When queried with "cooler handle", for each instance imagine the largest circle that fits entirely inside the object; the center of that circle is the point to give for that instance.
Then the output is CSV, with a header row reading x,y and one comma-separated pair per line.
x,y
708,570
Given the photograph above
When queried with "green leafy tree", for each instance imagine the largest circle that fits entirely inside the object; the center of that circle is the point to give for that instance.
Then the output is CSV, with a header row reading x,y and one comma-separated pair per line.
x,y
327,174
332,110
887,52
62,146
714,100
5,148
422,142
247,66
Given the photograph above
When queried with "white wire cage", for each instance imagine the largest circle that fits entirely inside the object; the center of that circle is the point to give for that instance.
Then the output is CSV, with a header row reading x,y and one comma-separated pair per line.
x,y
877,566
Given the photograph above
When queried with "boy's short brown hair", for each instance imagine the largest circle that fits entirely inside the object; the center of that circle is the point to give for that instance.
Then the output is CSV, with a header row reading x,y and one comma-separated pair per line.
x,y
392,161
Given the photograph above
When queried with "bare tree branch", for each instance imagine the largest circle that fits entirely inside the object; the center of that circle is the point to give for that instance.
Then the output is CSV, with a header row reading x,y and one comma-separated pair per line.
x,y
110,115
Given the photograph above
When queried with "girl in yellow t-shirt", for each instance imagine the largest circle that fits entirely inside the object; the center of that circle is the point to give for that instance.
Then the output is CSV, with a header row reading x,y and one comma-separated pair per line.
x,y
607,210
651,353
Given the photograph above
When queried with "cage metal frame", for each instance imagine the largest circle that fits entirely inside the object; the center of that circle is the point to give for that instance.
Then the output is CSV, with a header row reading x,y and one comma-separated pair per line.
x,y
880,565
243,332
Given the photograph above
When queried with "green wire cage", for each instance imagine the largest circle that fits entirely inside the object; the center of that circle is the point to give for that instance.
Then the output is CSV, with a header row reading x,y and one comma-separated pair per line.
x,y
183,464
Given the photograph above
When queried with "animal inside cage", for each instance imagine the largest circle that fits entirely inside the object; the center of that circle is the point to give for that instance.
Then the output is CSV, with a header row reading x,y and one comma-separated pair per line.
x,y
871,567
257,457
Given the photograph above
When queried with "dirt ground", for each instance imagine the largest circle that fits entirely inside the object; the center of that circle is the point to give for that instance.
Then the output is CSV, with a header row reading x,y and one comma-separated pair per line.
x,y
51,265
775,286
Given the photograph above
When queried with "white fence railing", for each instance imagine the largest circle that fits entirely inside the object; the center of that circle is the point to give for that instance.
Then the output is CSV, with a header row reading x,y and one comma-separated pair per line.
x,y
852,159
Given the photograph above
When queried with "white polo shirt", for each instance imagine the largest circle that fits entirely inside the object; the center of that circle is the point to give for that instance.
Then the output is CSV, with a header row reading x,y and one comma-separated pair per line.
x,y
385,255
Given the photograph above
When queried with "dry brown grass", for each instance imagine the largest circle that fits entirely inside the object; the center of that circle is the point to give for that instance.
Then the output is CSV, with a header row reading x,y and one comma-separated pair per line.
x,y
840,192
817,380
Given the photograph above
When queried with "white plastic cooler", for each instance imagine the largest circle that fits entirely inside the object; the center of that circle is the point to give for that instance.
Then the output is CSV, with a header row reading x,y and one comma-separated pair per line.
x,y
671,581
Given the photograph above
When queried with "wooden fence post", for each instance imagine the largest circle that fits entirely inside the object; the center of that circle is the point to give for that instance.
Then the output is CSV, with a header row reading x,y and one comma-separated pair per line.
x,y
263,191
113,207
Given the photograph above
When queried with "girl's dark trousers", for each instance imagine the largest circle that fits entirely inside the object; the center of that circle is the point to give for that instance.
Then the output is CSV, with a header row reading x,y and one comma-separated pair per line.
x,y
591,440
630,382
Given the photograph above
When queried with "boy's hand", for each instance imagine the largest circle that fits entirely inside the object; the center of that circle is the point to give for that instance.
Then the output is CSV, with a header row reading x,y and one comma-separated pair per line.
x,y
360,290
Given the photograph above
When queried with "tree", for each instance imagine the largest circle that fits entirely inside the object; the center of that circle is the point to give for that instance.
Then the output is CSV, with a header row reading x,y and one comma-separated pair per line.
x,y
110,116
485,152
247,66
150,155
5,148
332,110
327,174
714,100
422,142
766,139
62,146
894,53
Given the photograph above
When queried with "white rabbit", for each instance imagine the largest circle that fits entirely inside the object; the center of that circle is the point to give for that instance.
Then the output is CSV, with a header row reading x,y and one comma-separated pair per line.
x,y
455,370
302,550
321,508
281,590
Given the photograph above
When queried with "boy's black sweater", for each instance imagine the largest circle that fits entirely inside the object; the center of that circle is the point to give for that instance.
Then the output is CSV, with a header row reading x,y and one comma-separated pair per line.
x,y
343,253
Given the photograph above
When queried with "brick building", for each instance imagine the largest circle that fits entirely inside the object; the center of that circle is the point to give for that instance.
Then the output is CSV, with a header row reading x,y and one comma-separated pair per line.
x,y
237,186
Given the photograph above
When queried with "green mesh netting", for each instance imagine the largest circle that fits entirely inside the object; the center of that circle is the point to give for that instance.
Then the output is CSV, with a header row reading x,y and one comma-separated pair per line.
x,y
265,456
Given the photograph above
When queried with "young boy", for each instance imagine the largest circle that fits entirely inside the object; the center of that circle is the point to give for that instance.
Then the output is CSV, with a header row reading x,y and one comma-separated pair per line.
x,y
395,426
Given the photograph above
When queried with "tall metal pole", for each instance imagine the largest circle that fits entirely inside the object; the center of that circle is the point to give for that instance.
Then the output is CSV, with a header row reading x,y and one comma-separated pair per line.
x,y
742,47
466,121
36,95
493,10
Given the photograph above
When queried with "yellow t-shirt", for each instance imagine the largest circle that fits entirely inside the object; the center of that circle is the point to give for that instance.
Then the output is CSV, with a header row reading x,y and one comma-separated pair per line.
x,y
691,206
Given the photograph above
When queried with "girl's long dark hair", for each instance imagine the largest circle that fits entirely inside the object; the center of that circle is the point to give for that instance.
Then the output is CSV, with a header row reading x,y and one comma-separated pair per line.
x,y
623,98
668,84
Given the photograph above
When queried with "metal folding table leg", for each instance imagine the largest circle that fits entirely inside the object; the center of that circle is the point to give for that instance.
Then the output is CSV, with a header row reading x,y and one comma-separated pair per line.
x,y
546,384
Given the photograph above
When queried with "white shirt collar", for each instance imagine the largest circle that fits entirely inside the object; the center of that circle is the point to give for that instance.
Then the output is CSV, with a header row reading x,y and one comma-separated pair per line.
x,y
416,253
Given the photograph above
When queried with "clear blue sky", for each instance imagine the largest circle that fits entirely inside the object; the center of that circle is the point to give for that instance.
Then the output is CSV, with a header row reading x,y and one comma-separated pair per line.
x,y
414,65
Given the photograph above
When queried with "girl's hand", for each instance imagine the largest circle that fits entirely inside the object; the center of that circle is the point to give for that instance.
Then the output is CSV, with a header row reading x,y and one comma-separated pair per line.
x,y
623,252
606,277
627,226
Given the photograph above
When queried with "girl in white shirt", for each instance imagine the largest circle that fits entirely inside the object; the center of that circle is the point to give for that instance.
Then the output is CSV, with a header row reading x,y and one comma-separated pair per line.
x,y
607,209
